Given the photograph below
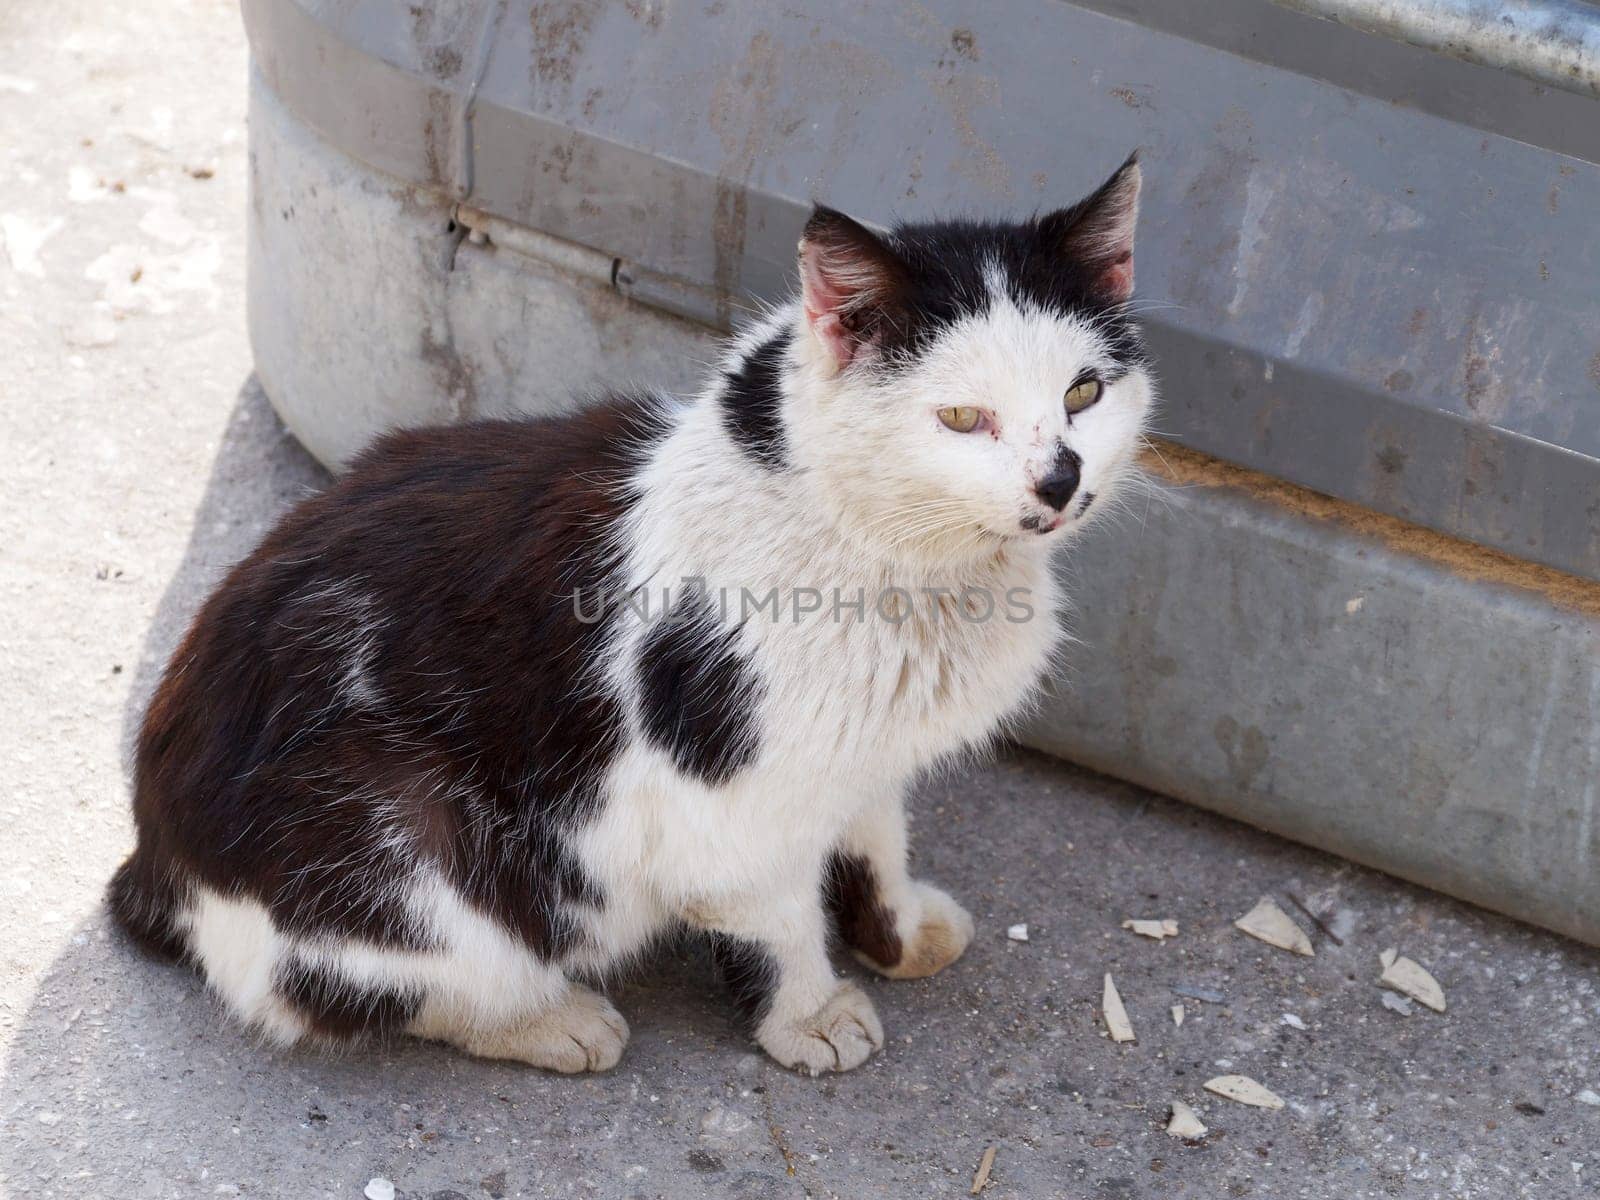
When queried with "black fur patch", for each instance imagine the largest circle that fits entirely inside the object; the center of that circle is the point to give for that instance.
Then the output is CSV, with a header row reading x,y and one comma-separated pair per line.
x,y
859,915
397,673
143,905
752,403
750,973
339,1009
698,698
945,282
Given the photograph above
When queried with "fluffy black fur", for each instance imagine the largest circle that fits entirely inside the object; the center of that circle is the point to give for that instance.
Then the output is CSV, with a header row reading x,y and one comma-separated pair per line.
x,y
752,403
698,698
408,639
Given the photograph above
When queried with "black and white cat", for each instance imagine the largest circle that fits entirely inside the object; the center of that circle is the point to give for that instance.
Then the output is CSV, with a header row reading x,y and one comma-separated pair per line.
x,y
434,753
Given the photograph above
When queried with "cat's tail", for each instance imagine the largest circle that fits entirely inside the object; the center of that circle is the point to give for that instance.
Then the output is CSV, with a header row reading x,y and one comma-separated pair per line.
x,y
146,901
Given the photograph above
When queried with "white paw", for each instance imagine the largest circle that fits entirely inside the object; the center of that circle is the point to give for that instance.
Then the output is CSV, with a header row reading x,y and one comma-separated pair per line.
x,y
582,1033
940,935
839,1036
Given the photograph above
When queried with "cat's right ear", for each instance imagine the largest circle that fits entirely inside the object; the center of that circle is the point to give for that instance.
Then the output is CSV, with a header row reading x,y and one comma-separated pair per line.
x,y
1097,232
851,284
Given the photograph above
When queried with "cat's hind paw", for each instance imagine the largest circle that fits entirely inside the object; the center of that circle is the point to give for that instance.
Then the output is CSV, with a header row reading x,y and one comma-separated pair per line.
x,y
943,932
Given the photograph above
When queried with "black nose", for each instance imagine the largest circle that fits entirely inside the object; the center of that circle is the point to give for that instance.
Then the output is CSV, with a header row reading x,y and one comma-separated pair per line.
x,y
1056,488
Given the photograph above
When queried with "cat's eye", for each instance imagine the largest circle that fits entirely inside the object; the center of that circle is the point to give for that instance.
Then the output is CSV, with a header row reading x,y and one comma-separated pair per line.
x,y
961,418
1082,394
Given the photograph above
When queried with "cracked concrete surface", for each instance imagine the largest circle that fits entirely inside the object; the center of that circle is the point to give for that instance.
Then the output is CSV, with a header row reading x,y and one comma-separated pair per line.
x,y
141,461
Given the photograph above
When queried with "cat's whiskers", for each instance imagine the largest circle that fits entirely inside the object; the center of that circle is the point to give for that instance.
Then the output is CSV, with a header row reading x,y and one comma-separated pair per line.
x,y
922,523
929,532
919,508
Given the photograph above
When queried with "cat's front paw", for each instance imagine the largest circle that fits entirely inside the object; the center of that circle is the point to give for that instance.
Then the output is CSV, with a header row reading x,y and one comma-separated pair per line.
x,y
583,1032
839,1036
942,932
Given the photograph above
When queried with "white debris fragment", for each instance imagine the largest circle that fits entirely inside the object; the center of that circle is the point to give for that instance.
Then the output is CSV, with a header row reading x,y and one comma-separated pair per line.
x,y
1292,1021
1268,923
24,238
1589,1096
82,187
378,1188
980,1178
1116,1016
1397,1004
1152,929
1243,1090
1184,1124
1018,933
1177,1015
1404,975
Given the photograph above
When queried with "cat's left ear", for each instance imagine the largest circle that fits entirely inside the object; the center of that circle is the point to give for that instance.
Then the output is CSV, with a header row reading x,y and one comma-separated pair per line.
x,y
1097,232
851,284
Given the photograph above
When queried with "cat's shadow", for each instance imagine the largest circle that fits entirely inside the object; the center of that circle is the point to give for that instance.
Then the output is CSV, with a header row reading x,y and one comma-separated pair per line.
x,y
122,1069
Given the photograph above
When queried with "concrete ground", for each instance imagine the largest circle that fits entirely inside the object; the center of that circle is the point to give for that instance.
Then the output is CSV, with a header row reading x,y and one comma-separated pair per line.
x,y
140,460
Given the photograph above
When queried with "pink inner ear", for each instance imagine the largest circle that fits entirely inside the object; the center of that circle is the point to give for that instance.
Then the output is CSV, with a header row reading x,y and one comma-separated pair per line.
x,y
1115,280
840,345
823,300
1097,232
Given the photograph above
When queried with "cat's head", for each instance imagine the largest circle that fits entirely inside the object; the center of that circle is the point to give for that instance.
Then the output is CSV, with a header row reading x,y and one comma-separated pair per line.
x,y
973,384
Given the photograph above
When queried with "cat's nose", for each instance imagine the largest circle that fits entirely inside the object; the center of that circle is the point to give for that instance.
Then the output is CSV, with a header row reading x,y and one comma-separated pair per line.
x,y
1056,488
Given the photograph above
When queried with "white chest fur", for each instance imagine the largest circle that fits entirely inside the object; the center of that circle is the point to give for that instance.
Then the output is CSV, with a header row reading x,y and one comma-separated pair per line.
x,y
869,671
896,670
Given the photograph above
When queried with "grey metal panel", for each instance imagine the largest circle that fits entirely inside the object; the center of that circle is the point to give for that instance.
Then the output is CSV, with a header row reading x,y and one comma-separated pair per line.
x,y
1432,285
367,313
1498,102
391,87
1553,41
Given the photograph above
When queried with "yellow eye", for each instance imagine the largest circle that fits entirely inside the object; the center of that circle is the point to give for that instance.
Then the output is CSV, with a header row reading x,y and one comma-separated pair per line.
x,y
1082,394
962,419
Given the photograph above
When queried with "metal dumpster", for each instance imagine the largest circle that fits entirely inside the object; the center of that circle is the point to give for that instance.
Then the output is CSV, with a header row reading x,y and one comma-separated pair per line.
x,y
1365,614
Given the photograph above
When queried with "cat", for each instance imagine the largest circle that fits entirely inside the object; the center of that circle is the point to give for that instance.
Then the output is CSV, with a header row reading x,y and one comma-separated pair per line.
x,y
511,699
